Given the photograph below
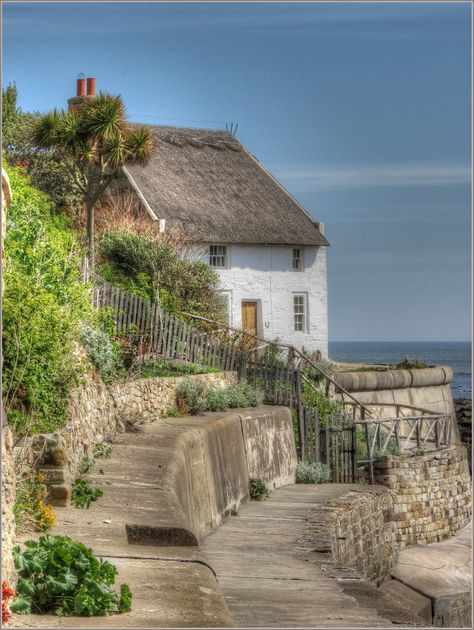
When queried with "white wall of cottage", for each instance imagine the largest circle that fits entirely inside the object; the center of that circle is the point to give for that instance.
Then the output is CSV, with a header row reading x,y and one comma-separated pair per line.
x,y
264,273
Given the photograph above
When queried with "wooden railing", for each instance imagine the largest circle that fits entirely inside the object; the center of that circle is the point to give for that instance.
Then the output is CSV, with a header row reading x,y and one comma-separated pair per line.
x,y
277,369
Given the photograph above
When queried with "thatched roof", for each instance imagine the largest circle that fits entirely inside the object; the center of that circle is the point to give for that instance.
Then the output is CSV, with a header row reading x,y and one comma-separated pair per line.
x,y
209,183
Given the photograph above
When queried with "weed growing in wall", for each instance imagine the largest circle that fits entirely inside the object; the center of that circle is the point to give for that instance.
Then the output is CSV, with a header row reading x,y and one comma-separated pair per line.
x,y
258,489
31,510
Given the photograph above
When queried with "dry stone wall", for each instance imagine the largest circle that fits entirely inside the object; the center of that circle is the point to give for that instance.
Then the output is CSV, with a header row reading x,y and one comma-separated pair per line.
x,y
8,499
97,413
352,535
463,410
144,400
431,494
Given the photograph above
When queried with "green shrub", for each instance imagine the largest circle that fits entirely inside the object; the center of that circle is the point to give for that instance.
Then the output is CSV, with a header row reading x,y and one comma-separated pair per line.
x,y
61,576
155,368
217,399
134,262
410,363
258,489
315,398
103,353
191,396
312,472
243,394
44,303
83,494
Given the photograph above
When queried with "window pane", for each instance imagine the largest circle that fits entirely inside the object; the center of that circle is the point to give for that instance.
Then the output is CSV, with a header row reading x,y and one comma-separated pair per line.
x,y
218,255
299,313
296,260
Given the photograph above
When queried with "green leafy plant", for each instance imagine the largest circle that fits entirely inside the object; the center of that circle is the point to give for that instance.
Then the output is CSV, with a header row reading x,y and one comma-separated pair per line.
x,y
173,413
83,494
242,394
154,368
86,465
258,489
312,472
217,399
313,397
103,353
61,576
411,363
102,450
31,510
191,397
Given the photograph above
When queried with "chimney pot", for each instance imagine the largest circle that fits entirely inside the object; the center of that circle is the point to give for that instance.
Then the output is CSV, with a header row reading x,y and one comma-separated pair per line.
x,y
90,86
81,87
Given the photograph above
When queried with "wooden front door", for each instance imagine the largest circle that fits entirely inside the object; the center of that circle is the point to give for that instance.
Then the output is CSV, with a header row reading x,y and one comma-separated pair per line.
x,y
249,321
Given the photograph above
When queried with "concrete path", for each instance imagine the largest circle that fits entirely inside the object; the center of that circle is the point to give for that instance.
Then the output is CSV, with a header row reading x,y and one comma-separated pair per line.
x,y
266,582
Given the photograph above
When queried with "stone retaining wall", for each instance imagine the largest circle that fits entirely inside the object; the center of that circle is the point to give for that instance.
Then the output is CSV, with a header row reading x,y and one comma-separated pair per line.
x,y
8,500
432,494
463,410
96,414
146,399
353,535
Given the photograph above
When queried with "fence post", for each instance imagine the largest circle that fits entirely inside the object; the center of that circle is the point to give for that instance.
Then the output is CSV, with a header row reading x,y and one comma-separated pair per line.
x,y
299,402
354,453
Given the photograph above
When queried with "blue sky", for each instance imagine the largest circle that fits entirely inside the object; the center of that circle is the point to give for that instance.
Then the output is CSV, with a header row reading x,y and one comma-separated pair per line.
x,y
362,110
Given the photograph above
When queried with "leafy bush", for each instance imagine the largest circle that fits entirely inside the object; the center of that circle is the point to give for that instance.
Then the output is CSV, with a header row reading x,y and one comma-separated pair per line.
x,y
103,353
31,510
194,397
62,576
315,398
217,399
48,172
154,368
410,363
312,472
83,494
258,489
142,264
191,397
43,305
362,451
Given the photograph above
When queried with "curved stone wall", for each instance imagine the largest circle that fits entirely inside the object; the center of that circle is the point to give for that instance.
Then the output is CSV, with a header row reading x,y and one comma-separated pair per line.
x,y
203,466
431,494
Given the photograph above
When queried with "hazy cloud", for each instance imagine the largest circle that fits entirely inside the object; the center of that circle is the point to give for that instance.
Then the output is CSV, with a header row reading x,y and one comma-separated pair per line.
x,y
313,178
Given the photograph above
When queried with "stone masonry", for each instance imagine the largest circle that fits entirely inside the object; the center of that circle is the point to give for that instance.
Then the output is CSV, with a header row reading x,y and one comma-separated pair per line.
x,y
463,410
352,535
97,413
432,494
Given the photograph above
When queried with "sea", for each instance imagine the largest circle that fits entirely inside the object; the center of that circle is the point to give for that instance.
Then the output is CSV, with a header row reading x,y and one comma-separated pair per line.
x,y
456,354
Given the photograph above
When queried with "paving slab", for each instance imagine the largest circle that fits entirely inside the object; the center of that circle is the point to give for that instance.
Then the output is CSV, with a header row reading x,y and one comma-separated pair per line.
x,y
265,582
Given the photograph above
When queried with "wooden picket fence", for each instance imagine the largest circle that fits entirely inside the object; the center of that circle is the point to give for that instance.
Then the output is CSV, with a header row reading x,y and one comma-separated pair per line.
x,y
156,334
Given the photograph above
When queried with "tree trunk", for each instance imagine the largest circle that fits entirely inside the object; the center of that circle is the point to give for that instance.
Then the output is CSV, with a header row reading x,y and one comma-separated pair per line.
x,y
90,232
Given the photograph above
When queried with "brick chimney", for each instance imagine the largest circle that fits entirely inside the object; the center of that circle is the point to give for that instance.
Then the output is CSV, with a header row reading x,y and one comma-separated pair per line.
x,y
85,90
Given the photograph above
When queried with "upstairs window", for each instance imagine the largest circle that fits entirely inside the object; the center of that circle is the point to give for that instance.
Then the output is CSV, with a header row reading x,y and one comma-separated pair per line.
x,y
297,259
299,313
218,256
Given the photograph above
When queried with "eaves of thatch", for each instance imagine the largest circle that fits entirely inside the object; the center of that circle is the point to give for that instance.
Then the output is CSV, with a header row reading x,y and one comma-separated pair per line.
x,y
210,184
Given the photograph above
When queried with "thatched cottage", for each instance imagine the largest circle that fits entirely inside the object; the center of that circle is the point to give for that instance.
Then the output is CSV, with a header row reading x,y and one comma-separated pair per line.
x,y
269,252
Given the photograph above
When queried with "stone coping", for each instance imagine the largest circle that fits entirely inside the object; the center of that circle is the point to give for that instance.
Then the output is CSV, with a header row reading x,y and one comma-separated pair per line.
x,y
394,379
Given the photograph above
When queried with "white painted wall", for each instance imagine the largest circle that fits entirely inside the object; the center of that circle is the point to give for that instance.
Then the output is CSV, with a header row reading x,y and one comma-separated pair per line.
x,y
264,273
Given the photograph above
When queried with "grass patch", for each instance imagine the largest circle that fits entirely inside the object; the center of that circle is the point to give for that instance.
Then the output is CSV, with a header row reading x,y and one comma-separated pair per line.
x,y
151,369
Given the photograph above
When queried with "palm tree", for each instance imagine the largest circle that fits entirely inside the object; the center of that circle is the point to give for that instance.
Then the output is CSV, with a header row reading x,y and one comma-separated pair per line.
x,y
98,141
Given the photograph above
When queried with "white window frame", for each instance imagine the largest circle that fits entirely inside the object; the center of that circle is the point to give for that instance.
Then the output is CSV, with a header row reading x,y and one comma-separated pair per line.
x,y
299,258
298,313
216,256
